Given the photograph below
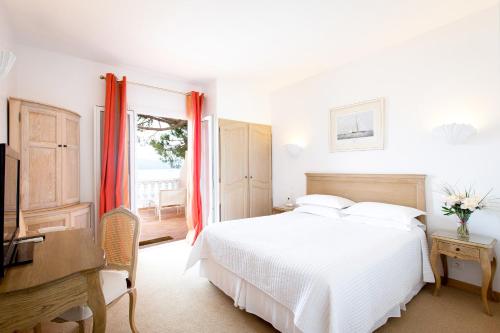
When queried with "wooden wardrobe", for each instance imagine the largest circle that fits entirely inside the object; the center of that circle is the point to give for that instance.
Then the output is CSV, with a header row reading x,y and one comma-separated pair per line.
x,y
48,140
245,170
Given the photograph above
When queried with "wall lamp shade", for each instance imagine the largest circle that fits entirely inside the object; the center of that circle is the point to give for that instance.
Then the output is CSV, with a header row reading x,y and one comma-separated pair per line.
x,y
455,134
7,59
293,149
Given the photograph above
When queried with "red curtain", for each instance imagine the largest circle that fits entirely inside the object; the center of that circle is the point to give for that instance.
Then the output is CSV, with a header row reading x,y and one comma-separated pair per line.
x,y
114,158
194,107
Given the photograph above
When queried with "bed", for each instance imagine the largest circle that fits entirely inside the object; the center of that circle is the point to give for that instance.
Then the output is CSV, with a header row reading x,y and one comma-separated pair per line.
x,y
306,273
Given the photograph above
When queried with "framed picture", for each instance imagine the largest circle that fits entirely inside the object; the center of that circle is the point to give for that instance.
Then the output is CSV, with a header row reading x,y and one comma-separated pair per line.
x,y
357,126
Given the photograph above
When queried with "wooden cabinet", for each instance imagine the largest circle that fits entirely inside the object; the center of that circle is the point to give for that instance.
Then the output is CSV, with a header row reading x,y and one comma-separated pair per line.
x,y
245,170
48,139
260,170
73,216
233,170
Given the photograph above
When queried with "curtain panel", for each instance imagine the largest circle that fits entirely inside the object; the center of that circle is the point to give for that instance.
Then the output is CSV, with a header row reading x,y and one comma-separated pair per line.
x,y
114,190
194,105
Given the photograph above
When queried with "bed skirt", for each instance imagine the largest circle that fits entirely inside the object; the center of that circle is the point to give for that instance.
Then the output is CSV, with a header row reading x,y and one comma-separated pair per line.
x,y
253,300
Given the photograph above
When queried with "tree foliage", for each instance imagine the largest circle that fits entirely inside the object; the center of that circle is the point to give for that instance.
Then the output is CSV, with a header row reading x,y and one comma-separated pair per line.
x,y
168,137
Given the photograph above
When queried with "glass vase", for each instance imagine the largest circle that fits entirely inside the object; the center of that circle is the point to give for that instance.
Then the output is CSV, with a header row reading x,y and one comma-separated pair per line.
x,y
463,230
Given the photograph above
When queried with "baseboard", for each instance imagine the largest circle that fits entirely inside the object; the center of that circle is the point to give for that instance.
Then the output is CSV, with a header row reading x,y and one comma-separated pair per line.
x,y
471,288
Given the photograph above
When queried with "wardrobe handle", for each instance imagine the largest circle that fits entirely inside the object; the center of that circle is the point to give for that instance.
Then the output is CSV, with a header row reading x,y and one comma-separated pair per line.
x,y
59,145
65,146
251,177
246,177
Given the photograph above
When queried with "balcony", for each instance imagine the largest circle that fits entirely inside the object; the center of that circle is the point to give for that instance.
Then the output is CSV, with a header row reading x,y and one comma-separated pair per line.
x,y
173,221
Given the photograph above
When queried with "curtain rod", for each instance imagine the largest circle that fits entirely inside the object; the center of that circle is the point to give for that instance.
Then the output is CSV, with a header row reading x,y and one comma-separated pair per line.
x,y
102,77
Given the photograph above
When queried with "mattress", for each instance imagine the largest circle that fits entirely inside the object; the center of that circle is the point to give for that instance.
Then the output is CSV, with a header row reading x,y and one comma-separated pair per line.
x,y
314,274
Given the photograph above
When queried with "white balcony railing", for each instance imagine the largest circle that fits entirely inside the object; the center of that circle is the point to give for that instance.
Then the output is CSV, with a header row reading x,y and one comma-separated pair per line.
x,y
147,191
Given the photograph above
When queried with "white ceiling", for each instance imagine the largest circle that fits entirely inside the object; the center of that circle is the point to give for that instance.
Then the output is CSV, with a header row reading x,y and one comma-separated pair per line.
x,y
279,41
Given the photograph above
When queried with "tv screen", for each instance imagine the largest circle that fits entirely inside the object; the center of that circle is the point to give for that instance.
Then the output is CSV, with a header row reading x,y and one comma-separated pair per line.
x,y
9,202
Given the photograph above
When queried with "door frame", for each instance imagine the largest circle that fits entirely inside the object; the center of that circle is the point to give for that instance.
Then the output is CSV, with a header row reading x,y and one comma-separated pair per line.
x,y
97,158
213,172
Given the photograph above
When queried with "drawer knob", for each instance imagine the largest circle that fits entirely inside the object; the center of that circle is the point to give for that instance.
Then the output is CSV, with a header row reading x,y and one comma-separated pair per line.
x,y
457,249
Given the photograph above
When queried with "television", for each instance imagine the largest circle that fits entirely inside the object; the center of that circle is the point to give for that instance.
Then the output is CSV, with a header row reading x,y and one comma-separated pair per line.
x,y
9,204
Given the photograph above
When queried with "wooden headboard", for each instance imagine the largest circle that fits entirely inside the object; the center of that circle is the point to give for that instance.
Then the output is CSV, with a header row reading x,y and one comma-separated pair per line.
x,y
405,190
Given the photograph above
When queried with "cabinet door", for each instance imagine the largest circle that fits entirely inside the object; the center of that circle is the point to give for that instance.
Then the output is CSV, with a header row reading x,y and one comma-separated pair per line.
x,y
260,170
55,219
40,158
70,164
233,140
80,218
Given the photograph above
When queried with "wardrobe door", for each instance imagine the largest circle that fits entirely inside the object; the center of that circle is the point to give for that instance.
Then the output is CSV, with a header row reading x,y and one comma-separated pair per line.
x,y
260,170
233,151
70,165
40,158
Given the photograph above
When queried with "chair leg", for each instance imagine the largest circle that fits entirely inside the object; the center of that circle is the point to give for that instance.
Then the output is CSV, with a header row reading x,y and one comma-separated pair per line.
x,y
38,328
81,326
131,313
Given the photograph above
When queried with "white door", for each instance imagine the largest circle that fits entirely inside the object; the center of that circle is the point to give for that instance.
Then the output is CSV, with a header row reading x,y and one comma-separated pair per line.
x,y
208,176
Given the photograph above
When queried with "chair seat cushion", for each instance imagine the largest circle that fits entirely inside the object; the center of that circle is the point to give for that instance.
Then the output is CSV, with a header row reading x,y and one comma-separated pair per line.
x,y
114,285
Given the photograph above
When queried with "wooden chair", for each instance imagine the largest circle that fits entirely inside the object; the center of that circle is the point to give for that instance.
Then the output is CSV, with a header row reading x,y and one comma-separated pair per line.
x,y
120,240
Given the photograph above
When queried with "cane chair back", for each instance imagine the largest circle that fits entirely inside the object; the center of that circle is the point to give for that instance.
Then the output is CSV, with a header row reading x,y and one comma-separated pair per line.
x,y
120,230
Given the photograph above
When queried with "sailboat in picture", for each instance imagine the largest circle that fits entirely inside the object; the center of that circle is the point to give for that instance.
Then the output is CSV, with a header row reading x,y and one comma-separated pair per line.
x,y
356,125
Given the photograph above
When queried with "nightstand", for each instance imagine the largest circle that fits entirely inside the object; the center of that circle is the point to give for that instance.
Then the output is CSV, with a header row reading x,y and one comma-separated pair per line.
x,y
476,248
283,209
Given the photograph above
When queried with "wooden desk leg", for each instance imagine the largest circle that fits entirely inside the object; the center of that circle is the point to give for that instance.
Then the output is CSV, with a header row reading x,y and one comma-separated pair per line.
x,y
493,271
444,261
435,267
96,302
485,286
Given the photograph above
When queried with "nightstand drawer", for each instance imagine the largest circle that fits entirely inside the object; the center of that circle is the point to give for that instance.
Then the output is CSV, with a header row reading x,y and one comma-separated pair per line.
x,y
458,251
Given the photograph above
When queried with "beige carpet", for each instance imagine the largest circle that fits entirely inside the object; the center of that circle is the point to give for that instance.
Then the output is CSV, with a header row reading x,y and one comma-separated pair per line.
x,y
169,302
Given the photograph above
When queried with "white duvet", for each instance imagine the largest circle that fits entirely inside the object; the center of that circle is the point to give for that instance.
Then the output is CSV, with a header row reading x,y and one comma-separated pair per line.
x,y
333,275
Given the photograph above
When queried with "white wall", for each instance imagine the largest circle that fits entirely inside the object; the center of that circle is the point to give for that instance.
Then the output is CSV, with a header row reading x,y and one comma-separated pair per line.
x,y
210,99
7,83
74,83
448,75
243,100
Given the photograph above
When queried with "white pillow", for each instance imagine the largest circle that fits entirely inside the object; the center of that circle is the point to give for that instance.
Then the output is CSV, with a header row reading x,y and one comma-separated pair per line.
x,y
324,200
398,213
385,223
319,210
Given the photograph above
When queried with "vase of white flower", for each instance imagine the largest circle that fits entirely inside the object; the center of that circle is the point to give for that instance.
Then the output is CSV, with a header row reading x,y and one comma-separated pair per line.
x,y
463,229
462,204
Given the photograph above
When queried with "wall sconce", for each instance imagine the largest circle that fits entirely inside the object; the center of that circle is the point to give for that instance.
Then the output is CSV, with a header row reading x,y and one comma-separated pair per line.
x,y
455,134
7,59
293,149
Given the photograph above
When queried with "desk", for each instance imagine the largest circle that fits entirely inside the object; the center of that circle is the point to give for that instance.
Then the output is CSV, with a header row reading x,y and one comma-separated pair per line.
x,y
64,274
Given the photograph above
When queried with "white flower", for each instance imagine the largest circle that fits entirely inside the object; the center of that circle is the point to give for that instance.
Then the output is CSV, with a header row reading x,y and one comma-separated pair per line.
x,y
453,199
471,203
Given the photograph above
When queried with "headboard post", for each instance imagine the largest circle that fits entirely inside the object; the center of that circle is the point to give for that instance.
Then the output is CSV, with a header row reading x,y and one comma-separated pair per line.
x,y
397,189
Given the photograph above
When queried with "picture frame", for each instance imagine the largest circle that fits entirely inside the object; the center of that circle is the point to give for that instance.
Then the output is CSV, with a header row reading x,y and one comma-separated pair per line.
x,y
358,126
